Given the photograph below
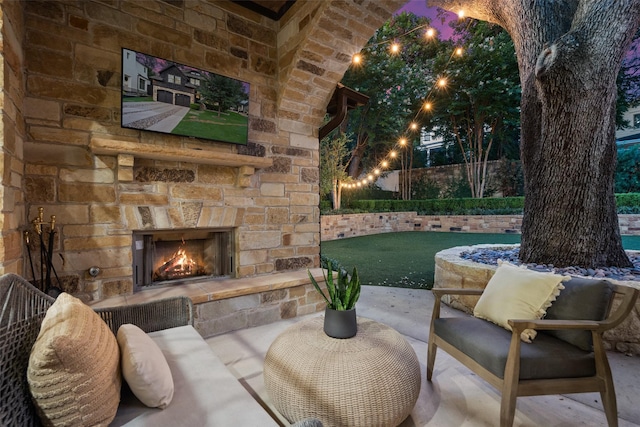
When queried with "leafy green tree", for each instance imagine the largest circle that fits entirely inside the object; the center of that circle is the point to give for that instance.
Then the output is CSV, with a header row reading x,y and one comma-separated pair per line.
x,y
221,93
569,56
627,178
334,154
395,84
476,107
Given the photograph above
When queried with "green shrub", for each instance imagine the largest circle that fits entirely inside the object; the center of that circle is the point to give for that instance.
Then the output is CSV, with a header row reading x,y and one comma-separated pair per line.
x,y
627,203
627,178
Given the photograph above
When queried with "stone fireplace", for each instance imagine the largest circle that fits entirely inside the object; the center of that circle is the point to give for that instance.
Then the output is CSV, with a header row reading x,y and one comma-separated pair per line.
x,y
174,257
64,148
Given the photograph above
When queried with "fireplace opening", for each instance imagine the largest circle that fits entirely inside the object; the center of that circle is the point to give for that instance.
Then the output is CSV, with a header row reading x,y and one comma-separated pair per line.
x,y
171,257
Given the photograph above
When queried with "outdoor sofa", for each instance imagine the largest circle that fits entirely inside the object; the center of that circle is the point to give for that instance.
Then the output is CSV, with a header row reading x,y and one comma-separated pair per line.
x,y
205,392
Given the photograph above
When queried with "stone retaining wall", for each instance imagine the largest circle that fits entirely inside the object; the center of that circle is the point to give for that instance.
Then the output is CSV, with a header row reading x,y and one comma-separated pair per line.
x,y
455,272
352,225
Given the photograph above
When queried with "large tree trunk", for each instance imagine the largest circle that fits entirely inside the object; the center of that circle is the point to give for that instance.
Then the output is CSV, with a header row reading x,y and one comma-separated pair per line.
x,y
569,54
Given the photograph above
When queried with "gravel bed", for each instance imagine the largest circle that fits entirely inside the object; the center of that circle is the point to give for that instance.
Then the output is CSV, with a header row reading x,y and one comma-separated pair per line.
x,y
491,256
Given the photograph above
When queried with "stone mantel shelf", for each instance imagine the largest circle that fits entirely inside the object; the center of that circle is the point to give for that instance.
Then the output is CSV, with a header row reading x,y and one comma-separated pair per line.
x,y
192,155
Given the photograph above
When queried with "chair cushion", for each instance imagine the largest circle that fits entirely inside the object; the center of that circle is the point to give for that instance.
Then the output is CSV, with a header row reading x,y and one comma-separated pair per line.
x,y
518,293
488,344
74,371
581,299
144,367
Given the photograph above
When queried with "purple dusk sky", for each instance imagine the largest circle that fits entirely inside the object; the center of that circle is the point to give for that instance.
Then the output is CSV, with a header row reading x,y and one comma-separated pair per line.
x,y
419,7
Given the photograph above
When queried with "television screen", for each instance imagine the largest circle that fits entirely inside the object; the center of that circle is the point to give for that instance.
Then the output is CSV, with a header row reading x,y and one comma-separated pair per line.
x,y
164,96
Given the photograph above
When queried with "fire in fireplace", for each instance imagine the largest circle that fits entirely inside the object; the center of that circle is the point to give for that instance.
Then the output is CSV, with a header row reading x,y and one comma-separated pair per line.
x,y
162,257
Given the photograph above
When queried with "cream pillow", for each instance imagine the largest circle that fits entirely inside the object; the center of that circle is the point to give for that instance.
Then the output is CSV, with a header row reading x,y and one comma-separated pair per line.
x,y
518,293
144,367
73,372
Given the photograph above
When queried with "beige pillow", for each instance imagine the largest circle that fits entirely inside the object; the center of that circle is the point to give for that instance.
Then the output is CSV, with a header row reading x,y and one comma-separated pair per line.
x,y
518,293
74,372
144,367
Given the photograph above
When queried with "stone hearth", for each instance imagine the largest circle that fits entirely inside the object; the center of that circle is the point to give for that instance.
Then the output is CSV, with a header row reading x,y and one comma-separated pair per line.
x,y
231,304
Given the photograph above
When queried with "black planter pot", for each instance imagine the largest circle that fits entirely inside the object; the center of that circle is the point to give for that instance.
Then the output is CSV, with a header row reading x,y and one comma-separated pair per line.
x,y
340,323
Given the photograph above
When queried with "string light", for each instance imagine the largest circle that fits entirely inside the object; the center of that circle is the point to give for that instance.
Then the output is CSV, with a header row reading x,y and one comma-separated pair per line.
x,y
395,48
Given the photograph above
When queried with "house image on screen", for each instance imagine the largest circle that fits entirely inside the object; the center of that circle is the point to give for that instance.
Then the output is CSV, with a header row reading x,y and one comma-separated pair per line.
x,y
173,86
135,75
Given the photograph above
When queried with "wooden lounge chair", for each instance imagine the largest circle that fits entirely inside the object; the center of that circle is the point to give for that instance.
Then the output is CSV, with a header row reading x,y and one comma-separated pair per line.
x,y
554,363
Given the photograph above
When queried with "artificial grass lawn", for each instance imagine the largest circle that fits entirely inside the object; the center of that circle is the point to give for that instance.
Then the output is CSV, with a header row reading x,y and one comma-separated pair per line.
x,y
407,259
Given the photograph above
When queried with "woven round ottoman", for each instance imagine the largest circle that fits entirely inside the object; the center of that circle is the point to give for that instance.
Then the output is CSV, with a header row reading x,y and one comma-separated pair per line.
x,y
372,379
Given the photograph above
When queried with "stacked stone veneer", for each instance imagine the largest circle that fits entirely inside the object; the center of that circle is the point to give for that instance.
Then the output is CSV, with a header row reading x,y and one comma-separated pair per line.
x,y
352,225
259,308
455,272
64,149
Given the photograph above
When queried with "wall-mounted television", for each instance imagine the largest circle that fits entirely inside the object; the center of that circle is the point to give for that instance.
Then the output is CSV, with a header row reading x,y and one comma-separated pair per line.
x,y
163,96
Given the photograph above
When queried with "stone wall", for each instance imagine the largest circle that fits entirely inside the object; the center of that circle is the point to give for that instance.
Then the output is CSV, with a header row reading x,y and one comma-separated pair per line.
x,y
261,308
352,225
65,151
455,272
12,137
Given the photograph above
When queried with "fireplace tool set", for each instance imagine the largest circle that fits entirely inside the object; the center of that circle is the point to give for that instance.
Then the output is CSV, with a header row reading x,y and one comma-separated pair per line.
x,y
45,244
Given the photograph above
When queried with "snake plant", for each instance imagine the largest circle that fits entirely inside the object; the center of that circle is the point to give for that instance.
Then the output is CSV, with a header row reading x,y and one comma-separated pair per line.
x,y
344,293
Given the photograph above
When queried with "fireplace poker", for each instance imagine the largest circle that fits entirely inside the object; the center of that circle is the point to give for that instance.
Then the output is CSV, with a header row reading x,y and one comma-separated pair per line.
x,y
26,238
50,250
37,225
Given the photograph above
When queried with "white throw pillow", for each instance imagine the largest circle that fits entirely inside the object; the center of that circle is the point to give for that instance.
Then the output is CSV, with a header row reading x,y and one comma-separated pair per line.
x,y
144,367
518,293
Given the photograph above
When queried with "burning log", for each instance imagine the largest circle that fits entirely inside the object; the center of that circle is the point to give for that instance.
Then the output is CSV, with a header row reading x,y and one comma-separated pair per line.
x,y
179,265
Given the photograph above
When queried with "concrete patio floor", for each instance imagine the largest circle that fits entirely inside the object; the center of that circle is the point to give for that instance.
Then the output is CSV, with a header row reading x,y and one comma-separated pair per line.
x,y
456,396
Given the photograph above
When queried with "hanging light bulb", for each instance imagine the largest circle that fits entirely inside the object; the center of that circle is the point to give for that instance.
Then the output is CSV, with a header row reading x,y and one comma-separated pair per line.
x,y
430,33
370,177
427,106
395,48
376,171
461,14
414,126
442,82
402,141
459,51
393,154
357,59
385,164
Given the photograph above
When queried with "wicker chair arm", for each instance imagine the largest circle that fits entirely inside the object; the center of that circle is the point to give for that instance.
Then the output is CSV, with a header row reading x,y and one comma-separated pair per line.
x,y
151,316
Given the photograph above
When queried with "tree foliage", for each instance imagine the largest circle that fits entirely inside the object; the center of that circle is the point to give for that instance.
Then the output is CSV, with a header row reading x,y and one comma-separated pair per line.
x,y
628,171
334,155
395,85
221,93
477,109
569,57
